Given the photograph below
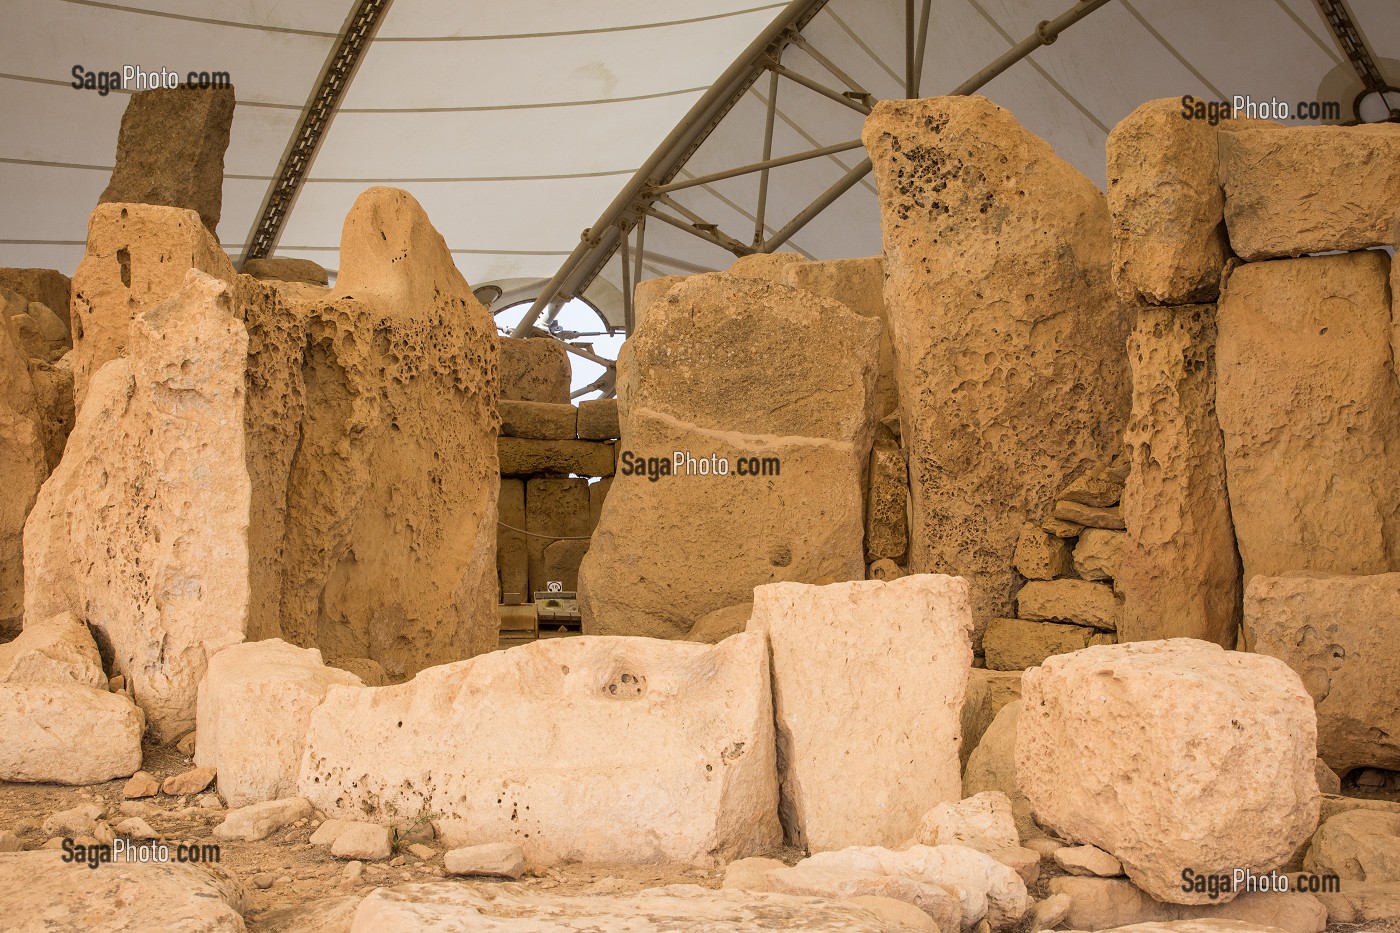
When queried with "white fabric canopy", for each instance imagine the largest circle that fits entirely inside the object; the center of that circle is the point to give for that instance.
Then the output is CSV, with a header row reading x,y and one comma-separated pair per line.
x,y
516,123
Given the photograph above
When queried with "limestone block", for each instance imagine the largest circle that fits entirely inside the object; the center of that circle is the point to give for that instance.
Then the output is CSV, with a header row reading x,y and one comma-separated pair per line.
x,y
512,548
67,734
389,547
1088,516
1116,904
1208,763
53,401
360,841
902,651
23,468
598,420
886,521
521,456
794,446
1089,861
1008,334
1099,554
580,749
1167,208
541,420
597,495
648,293
137,256
142,529
254,706
1310,408
557,507
49,287
171,150
935,901
57,650
534,369
40,891
1309,189
1339,635
1357,846
560,563
492,860
1040,555
983,822
1100,487
1180,573
1019,644
411,908
714,627
1363,902
260,820
992,767
987,692
286,269
42,333
1075,601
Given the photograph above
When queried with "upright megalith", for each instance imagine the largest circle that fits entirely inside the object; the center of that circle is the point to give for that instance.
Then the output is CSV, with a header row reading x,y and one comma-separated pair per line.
x,y
862,763
142,529
171,150
1008,335
740,400
389,545
137,256
1310,408
1179,573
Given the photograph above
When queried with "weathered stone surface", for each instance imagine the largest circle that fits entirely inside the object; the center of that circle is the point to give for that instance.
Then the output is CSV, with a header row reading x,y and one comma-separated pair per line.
x,y
665,552
388,551
67,734
23,468
58,650
1209,763
369,842
534,369
49,287
1310,407
1327,780
41,892
541,420
142,784
1363,902
1099,554
171,150
1008,334
1116,904
987,692
560,563
492,860
886,520
1339,635
512,547
1040,555
285,269
188,782
1309,189
598,419
42,333
902,651
53,400
936,902
1075,601
1359,845
983,822
992,767
556,507
412,908
255,703
1180,573
521,456
1089,861
1168,211
714,627
597,495
137,256
142,529
1089,516
1018,644
260,820
589,749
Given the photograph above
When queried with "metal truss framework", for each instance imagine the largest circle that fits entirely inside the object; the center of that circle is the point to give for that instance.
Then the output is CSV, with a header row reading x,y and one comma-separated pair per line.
x,y
1354,46
316,117
622,226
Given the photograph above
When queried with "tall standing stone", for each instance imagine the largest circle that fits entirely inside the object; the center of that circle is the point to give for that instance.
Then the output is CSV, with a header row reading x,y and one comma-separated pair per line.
x,y
1179,573
23,468
171,151
1310,407
901,652
142,529
137,256
1008,335
779,385
390,544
